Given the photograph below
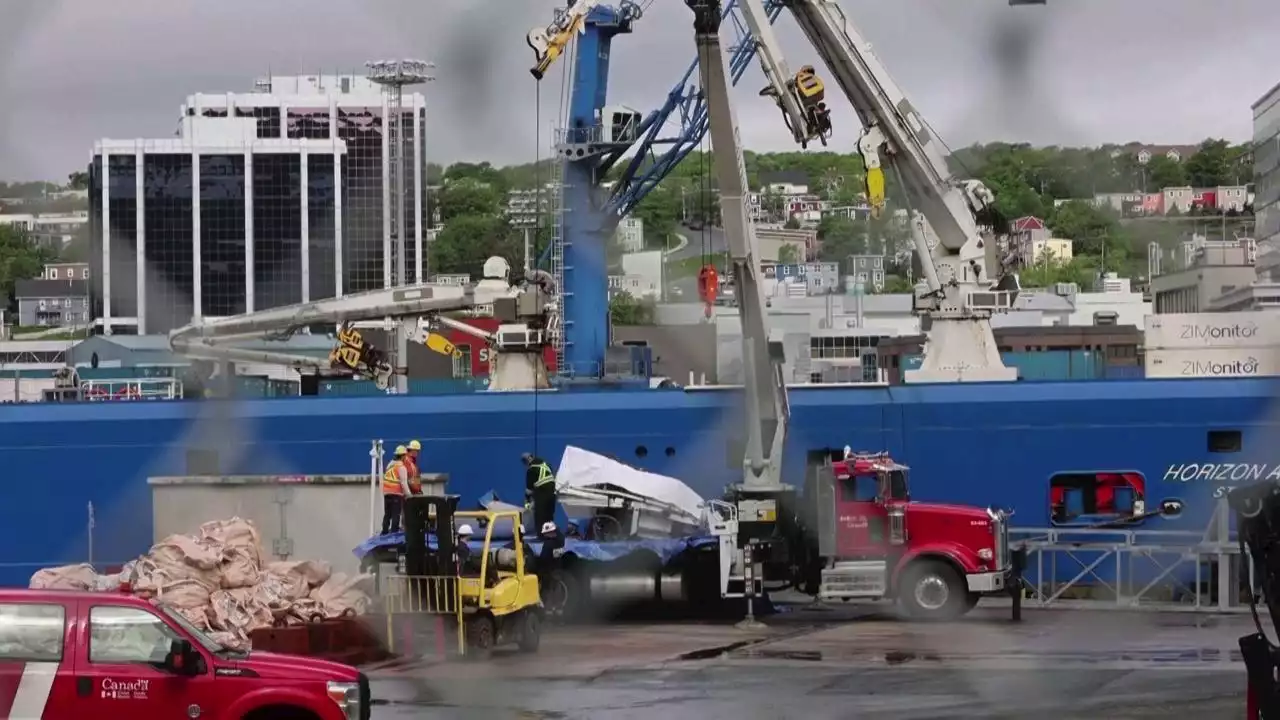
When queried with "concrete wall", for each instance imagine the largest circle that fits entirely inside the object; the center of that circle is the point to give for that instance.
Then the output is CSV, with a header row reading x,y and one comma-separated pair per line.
x,y
316,517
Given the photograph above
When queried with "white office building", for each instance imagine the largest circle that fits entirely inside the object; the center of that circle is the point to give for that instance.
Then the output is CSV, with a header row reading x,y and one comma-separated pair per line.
x,y
264,198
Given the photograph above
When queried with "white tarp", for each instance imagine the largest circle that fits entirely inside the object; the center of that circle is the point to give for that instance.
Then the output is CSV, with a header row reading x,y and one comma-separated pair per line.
x,y
584,469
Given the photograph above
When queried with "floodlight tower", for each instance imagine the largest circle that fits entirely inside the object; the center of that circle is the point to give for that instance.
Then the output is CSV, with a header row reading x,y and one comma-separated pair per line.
x,y
394,76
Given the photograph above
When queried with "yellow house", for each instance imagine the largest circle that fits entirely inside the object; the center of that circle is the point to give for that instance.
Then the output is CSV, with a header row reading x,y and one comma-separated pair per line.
x,y
1030,239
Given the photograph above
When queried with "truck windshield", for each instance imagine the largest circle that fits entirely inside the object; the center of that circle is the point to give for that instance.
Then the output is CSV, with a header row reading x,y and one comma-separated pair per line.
x,y
196,633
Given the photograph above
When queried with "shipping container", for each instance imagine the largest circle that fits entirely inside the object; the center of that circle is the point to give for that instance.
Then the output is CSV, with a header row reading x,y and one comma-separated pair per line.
x,y
1229,330
1212,362
1047,365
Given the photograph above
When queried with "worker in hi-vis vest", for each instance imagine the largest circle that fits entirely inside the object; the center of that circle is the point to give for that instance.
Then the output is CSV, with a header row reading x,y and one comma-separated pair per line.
x,y
415,470
539,489
395,485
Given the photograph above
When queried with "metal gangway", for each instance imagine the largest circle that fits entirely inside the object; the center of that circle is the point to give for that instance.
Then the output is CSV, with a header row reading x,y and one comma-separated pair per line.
x,y
1138,568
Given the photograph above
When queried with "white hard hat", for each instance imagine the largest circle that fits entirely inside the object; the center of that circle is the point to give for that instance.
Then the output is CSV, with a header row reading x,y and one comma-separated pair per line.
x,y
465,530
548,527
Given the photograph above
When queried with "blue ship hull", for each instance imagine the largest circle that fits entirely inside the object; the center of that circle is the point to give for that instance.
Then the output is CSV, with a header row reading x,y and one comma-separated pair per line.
x,y
973,443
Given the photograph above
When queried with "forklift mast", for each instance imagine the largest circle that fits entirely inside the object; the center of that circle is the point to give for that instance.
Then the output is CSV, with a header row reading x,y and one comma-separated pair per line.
x,y
432,514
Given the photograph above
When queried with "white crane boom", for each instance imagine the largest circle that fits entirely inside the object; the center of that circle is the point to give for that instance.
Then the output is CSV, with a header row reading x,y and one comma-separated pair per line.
x,y
960,296
414,309
800,96
765,388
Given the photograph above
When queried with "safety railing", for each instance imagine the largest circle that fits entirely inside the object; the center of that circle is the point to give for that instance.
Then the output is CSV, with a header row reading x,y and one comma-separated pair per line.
x,y
131,389
423,595
1136,569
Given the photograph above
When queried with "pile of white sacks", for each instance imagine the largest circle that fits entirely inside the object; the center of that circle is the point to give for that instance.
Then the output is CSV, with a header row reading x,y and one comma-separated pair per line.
x,y
220,580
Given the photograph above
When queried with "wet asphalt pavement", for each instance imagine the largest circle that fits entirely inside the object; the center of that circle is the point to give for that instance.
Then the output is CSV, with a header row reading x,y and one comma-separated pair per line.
x,y
843,664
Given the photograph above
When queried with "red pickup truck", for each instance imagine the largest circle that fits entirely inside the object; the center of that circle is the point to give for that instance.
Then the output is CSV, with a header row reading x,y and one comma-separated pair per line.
x,y
107,655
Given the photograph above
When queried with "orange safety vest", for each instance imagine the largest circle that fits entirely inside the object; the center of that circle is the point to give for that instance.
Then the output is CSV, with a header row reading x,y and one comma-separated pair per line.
x,y
415,482
391,479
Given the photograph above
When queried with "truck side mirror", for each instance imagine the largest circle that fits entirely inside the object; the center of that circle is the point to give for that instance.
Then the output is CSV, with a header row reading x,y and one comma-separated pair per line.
x,y
182,659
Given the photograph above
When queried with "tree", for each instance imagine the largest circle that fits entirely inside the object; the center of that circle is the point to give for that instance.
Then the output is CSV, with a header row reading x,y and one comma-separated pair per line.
x,y
1093,231
788,254
1164,172
467,241
481,173
1080,270
839,238
1212,165
467,197
78,180
626,309
896,284
20,259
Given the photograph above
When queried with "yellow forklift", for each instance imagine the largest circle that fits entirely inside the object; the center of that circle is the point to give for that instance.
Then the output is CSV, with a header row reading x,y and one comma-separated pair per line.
x,y
501,603
488,595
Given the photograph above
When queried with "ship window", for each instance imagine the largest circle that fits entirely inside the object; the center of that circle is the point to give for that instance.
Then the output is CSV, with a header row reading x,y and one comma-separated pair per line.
x,y
1225,441
641,451
1089,498
671,452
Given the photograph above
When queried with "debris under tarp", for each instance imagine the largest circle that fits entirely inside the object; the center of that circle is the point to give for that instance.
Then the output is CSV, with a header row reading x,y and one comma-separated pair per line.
x,y
220,581
659,505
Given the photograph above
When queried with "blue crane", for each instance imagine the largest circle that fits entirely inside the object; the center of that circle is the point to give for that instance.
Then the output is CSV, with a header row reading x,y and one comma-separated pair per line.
x,y
591,145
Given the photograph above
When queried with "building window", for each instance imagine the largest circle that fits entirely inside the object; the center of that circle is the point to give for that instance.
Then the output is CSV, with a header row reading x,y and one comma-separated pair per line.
x,y
222,242
1088,498
169,241
277,230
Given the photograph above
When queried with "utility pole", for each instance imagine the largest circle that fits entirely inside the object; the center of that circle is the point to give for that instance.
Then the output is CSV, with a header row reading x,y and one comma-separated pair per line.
x,y
394,76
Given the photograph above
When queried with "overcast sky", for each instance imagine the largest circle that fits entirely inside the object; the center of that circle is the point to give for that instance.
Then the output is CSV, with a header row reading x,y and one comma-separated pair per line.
x,y
1076,72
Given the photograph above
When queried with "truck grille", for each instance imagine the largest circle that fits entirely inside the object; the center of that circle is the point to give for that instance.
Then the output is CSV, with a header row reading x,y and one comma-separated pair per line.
x,y
1000,530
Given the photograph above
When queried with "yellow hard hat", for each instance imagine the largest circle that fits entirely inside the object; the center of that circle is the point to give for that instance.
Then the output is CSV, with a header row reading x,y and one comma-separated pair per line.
x,y
415,445
401,451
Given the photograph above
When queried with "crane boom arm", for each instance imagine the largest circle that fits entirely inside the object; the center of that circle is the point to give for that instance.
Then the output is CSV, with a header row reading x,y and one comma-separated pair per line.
x,y
803,110
960,295
762,357
893,125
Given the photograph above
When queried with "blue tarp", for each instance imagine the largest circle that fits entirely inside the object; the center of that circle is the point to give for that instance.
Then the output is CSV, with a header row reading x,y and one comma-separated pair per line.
x,y
665,549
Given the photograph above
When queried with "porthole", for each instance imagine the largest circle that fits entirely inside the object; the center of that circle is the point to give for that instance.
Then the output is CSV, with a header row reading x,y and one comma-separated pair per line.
x,y
641,451
671,452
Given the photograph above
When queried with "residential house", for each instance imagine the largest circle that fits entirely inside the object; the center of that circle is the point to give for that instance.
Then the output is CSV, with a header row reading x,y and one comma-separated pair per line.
x,y
785,183
866,272
1176,153
630,234
1179,199
66,271
1031,241
52,303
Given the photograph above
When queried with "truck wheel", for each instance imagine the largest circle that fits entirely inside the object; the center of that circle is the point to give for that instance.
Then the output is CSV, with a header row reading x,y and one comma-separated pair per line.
x,y
933,590
481,635
560,595
531,631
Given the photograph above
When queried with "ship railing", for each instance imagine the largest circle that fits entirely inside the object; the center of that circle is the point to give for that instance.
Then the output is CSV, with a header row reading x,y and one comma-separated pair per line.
x,y
131,389
1137,569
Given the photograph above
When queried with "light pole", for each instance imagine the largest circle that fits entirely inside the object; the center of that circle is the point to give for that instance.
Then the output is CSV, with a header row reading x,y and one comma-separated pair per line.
x,y
394,76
